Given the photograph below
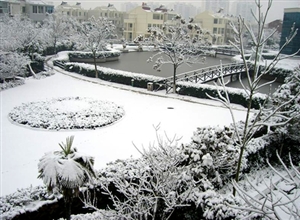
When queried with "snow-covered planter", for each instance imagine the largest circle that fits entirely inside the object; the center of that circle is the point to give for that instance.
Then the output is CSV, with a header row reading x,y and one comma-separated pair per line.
x,y
237,96
67,113
87,57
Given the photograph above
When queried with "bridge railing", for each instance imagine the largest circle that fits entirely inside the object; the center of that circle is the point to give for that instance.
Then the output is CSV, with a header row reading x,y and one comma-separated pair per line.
x,y
206,74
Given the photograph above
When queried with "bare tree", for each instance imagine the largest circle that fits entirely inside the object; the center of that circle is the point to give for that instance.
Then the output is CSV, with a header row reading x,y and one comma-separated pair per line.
x,y
94,36
254,75
279,200
58,27
178,44
155,186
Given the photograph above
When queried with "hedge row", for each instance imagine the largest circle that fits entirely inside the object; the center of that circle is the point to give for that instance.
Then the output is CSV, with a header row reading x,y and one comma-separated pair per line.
x,y
89,55
117,76
236,96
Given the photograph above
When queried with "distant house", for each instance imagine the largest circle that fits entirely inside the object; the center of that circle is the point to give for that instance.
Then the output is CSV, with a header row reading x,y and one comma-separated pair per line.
x,y
218,25
291,16
36,10
140,19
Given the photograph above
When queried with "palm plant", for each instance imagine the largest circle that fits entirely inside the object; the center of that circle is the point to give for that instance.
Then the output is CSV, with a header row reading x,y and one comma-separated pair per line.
x,y
66,171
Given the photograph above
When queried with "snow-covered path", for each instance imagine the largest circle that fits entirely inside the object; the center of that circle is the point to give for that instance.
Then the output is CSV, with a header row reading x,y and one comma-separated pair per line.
x,y
21,147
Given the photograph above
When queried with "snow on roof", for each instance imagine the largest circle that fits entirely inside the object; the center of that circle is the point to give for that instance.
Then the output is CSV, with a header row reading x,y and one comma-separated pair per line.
x,y
38,2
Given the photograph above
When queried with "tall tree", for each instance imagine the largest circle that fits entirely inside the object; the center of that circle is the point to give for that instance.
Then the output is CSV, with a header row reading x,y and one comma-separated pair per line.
x,y
66,171
178,43
94,35
254,75
58,28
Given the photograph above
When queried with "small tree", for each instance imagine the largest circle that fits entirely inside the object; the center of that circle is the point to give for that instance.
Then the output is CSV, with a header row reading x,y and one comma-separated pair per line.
x,y
94,35
65,171
254,74
178,45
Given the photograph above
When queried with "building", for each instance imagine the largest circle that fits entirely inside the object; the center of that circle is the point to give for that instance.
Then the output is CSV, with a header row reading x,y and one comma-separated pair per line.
x,y
291,16
112,14
218,25
140,19
36,10
75,11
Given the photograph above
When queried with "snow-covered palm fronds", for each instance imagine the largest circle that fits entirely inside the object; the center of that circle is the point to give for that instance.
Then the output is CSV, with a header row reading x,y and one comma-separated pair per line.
x,y
65,171
66,168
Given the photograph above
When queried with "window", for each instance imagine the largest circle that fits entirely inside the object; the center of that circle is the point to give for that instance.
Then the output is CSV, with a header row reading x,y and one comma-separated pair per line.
x,y
80,13
41,9
220,21
68,13
149,25
23,10
215,30
215,21
105,15
156,16
130,25
49,9
34,9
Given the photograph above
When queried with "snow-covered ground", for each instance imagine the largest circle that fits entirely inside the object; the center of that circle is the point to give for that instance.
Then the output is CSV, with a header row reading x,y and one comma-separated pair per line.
x,y
22,147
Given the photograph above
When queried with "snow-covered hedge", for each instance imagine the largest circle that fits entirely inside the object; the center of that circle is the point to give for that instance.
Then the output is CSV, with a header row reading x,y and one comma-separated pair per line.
x,y
112,75
25,200
237,96
67,113
12,83
89,55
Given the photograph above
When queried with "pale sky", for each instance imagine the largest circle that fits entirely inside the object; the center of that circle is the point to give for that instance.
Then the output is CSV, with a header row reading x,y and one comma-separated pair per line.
x,y
276,11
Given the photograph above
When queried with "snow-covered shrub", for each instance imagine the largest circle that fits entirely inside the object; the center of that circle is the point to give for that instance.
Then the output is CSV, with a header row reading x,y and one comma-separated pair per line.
x,y
67,113
118,76
24,200
89,55
237,96
11,83
212,153
13,64
290,90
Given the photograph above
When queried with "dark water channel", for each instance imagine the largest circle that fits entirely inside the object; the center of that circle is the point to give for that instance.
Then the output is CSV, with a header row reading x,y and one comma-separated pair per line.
x,y
137,62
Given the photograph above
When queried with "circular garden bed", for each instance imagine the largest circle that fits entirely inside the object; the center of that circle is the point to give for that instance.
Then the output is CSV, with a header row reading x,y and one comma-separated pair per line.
x,y
67,113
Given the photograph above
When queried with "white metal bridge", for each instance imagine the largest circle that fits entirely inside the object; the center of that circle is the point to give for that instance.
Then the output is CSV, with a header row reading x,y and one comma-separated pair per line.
x,y
205,75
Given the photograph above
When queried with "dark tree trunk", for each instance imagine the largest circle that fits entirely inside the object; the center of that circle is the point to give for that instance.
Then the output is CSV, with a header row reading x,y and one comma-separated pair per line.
x,y
95,64
68,198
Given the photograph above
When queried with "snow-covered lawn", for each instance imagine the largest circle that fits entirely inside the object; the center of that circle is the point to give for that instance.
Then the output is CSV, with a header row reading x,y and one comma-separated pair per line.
x,y
22,147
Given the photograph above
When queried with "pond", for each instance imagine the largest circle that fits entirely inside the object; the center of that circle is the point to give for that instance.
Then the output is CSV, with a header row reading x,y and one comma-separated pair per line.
x,y
137,62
